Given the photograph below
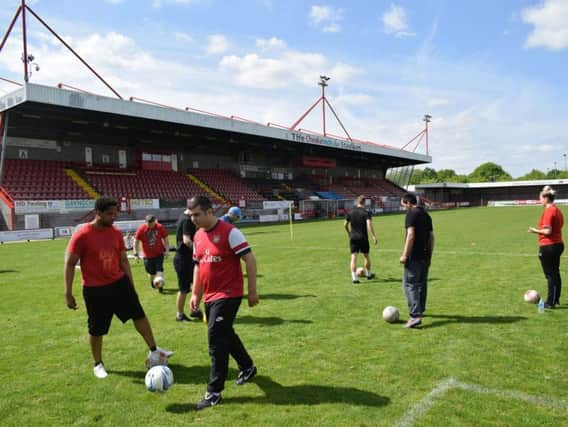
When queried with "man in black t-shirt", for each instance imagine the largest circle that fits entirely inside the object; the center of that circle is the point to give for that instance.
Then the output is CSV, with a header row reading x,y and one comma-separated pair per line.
x,y
416,257
183,264
356,225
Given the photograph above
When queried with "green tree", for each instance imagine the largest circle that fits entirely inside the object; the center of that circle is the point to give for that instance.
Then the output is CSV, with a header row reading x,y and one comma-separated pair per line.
x,y
489,172
554,174
533,175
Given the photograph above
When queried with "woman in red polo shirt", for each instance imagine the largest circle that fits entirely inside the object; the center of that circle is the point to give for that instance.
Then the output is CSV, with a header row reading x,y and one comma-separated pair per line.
x,y
550,244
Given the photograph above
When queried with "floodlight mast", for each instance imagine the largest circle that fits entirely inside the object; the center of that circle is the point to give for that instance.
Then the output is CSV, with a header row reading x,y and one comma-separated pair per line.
x,y
323,83
426,119
22,9
25,41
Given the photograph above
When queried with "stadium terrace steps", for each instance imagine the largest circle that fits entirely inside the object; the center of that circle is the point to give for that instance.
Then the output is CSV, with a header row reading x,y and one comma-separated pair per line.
x,y
82,183
227,184
40,180
208,190
142,184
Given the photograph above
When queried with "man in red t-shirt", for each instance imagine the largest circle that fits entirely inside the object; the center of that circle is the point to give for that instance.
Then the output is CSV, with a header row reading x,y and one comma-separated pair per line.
x,y
108,288
155,245
218,248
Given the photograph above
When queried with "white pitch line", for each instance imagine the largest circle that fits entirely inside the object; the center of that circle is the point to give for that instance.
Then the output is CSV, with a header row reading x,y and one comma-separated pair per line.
x,y
510,394
420,408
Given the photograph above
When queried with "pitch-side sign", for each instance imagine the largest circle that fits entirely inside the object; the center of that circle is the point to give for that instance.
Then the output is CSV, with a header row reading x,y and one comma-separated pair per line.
x,y
22,235
276,204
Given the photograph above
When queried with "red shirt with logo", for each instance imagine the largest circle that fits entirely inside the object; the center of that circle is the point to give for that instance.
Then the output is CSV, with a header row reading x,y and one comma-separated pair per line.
x,y
218,253
551,218
151,239
99,251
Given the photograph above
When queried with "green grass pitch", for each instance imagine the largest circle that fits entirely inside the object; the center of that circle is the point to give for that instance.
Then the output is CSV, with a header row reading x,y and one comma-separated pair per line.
x,y
325,356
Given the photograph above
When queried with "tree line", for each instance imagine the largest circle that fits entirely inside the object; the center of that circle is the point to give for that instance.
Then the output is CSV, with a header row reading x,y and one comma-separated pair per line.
x,y
486,172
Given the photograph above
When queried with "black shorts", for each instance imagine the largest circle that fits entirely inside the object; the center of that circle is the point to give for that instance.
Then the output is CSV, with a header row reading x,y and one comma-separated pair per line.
x,y
184,269
359,246
103,302
153,265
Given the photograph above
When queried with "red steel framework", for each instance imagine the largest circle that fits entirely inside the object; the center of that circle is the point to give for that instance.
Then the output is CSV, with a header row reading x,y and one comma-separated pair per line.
x,y
25,59
323,83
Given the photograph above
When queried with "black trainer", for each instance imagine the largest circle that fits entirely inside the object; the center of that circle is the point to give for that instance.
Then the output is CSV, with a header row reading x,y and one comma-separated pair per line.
x,y
356,282
371,276
183,318
210,399
197,314
245,375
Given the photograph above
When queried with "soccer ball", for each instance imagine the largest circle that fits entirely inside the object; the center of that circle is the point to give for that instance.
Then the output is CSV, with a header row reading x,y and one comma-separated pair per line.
x,y
159,378
391,314
532,296
159,282
360,272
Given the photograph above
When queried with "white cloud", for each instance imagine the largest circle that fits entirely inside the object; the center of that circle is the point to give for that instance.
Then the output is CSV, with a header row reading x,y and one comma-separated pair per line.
x,y
217,44
290,68
343,73
327,18
114,1
549,20
183,37
354,99
271,43
394,22
438,102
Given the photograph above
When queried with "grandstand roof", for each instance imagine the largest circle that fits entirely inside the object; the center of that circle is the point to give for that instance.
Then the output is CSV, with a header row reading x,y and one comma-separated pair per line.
x,y
52,113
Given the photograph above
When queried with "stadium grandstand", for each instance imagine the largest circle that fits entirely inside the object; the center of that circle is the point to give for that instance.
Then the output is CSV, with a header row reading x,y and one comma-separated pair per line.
x,y
62,147
506,193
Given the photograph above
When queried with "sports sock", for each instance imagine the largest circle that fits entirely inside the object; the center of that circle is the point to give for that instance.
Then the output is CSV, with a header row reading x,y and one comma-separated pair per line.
x,y
354,275
367,273
180,314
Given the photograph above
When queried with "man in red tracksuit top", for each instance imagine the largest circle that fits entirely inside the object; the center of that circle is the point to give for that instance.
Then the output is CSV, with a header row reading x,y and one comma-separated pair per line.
x,y
218,248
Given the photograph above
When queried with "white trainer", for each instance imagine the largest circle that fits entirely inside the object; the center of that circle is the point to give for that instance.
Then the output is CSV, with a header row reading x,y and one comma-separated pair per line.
x,y
158,357
100,371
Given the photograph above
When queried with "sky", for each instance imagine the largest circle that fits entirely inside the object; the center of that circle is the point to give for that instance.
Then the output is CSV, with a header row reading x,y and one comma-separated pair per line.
x,y
492,74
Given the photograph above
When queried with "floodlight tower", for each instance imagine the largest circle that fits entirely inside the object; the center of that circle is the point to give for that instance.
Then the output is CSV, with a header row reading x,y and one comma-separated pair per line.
x,y
323,83
426,119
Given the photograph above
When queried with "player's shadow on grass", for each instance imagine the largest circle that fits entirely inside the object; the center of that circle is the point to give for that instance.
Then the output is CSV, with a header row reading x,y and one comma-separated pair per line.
x,y
9,271
168,291
281,297
268,321
307,394
388,280
454,318
252,233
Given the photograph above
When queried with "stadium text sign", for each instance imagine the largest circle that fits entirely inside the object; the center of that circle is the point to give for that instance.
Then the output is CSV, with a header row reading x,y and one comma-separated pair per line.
x,y
320,140
52,206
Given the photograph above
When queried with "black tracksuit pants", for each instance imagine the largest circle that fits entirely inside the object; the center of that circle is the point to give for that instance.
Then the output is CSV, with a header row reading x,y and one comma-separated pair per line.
x,y
549,256
224,341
